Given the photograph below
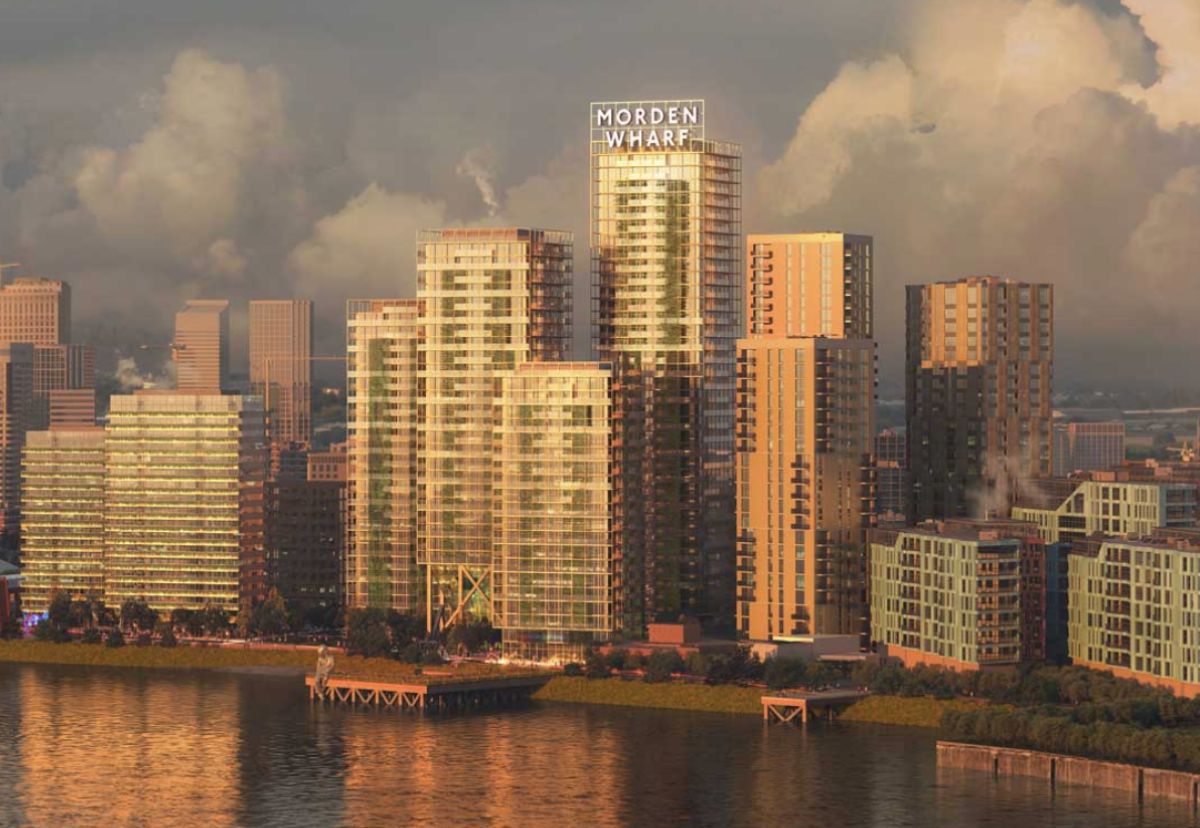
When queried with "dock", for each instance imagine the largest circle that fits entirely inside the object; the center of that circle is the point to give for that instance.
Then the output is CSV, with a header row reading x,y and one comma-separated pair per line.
x,y
786,708
433,695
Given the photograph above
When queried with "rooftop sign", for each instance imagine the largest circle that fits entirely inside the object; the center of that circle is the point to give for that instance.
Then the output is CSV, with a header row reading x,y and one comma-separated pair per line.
x,y
647,124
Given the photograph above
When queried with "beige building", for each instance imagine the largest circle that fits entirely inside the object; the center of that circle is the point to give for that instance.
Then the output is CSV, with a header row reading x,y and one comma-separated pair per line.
x,y
202,347
1133,610
810,284
805,492
383,339
184,500
1082,447
554,533
281,366
947,595
58,369
1110,504
16,403
979,375
35,310
494,299
667,268
62,516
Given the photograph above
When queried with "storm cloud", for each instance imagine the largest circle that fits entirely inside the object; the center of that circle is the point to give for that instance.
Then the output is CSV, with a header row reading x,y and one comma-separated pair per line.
x,y
154,152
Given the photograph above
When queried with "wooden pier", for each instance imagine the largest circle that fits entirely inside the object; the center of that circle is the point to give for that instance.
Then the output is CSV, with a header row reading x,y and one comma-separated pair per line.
x,y
432,695
786,708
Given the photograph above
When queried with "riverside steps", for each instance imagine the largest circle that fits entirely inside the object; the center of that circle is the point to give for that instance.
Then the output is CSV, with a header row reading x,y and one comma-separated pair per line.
x,y
786,708
430,692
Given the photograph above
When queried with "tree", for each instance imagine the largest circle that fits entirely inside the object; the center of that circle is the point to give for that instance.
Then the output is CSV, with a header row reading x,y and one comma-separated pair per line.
x,y
405,627
166,634
59,612
115,638
92,635
367,633
105,616
137,616
780,672
216,620
661,666
268,618
596,666
471,636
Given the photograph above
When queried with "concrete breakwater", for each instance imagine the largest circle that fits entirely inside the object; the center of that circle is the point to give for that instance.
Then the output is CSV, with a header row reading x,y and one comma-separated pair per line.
x,y
1070,770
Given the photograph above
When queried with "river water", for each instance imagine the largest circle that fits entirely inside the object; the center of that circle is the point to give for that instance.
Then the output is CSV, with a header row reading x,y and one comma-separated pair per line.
x,y
103,747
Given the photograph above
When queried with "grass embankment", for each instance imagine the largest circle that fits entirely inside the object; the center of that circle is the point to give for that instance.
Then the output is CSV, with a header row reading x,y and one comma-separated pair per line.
x,y
219,658
615,691
920,711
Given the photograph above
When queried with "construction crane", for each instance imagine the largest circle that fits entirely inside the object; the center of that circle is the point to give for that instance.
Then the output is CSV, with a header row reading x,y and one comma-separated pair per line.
x,y
5,266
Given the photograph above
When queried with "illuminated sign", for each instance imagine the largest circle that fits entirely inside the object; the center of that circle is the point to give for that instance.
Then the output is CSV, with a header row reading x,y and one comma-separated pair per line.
x,y
647,124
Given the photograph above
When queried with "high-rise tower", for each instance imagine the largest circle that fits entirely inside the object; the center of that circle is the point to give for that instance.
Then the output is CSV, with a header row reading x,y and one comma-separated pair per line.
x,y
494,299
382,383
666,254
979,380
281,366
202,346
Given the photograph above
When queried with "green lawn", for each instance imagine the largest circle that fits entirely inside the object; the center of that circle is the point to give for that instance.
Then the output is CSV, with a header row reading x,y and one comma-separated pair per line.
x,y
615,691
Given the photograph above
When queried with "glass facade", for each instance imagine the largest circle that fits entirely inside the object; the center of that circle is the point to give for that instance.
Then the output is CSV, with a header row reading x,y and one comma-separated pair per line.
x,y
382,377
62,520
666,259
553,536
184,501
494,299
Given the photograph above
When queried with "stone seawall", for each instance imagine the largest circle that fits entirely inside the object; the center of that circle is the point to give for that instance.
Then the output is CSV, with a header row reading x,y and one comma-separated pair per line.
x,y
1070,770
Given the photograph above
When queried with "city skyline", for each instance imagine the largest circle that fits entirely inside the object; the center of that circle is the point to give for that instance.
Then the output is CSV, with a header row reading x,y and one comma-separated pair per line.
x,y
868,121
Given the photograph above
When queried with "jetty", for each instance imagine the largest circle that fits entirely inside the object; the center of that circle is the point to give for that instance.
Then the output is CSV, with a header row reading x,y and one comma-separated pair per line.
x,y
786,708
431,692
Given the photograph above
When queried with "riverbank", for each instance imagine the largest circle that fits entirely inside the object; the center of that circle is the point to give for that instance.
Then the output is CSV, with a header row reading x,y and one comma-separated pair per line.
x,y
251,660
889,710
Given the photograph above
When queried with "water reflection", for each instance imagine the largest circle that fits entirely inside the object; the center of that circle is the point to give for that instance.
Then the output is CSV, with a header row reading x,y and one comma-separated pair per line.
x,y
85,747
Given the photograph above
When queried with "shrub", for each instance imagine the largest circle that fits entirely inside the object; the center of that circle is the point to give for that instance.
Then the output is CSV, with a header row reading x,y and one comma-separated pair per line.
x,y
780,673
615,659
596,666
661,666
167,637
145,639
92,635
367,633
697,665
574,669
410,654
115,638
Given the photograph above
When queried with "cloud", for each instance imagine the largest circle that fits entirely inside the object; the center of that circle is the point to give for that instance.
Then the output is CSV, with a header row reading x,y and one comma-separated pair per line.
x,y
180,189
1002,137
365,250
1174,25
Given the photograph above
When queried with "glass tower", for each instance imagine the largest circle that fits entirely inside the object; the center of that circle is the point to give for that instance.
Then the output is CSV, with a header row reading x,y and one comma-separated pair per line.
x,y
666,259
183,505
494,299
553,529
382,367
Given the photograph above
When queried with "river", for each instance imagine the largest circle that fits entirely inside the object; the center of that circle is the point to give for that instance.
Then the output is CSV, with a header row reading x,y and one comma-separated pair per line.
x,y
86,747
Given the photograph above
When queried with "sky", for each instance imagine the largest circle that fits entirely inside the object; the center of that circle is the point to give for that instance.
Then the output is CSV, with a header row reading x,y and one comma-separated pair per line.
x,y
153,151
